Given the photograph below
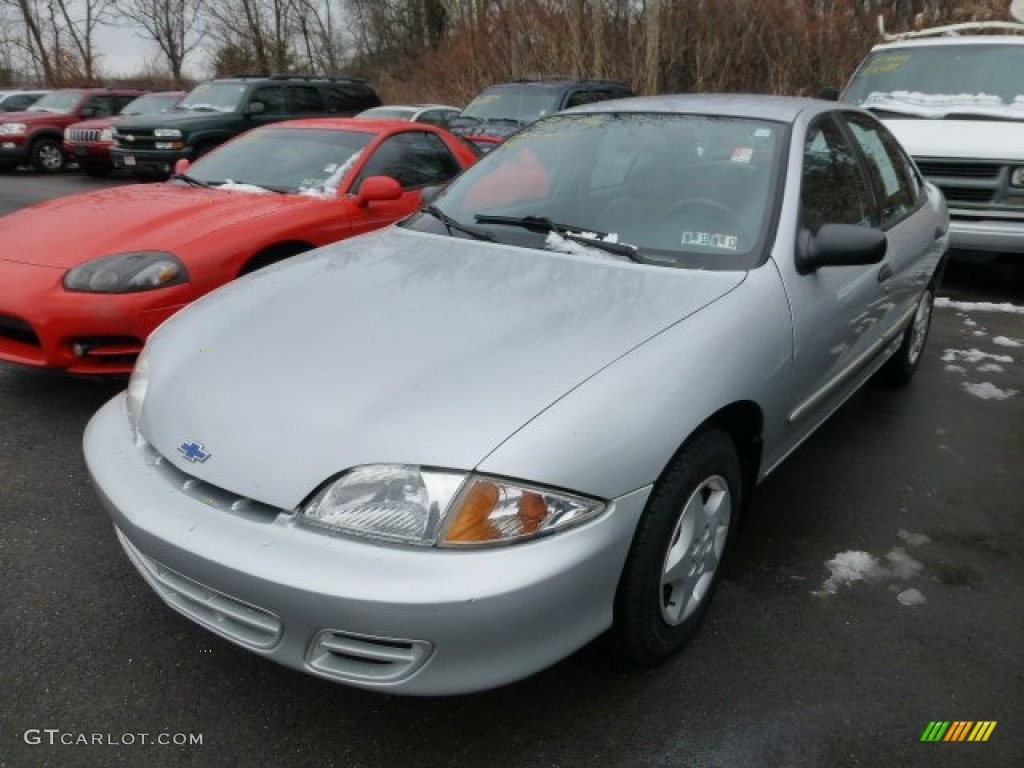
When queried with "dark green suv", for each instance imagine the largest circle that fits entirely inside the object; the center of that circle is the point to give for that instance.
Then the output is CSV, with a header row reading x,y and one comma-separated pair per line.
x,y
219,110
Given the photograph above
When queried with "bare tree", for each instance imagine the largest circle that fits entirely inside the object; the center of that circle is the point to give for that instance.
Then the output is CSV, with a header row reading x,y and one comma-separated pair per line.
x,y
174,25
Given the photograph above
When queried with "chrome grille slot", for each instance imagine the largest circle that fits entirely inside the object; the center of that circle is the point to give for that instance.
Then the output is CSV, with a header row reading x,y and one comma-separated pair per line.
x,y
962,170
221,613
347,656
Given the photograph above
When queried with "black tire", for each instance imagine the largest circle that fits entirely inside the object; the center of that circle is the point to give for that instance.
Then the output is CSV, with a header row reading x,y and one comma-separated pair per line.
x,y
900,368
652,620
47,155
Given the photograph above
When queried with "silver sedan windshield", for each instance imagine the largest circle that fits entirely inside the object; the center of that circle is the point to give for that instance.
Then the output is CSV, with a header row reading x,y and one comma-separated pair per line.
x,y
682,190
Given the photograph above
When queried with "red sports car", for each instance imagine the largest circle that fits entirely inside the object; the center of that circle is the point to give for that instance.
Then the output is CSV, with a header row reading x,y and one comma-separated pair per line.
x,y
84,279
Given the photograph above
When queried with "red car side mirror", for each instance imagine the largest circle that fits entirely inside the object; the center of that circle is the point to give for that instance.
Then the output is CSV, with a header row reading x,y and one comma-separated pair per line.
x,y
378,188
181,166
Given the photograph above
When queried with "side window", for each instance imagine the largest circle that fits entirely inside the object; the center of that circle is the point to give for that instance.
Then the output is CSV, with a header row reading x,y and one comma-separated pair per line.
x,y
121,101
832,187
439,117
18,103
306,99
272,98
578,97
100,106
415,159
893,174
350,98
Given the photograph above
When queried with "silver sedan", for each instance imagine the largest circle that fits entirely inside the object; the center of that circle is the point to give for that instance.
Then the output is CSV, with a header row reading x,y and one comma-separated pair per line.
x,y
442,457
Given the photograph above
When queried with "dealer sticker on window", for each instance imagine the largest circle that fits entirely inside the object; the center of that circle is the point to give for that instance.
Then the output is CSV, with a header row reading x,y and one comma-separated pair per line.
x,y
711,240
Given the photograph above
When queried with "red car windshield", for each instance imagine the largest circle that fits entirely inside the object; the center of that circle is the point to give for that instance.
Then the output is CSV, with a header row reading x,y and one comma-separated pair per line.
x,y
295,160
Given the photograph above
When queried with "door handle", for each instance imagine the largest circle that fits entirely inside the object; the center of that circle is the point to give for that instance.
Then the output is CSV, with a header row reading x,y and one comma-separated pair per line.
x,y
884,273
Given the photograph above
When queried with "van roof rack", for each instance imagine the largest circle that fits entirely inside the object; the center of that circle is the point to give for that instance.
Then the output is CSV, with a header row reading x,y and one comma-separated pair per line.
x,y
338,79
950,30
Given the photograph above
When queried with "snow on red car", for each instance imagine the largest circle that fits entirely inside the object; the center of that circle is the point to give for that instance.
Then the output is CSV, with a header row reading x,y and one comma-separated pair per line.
x,y
84,279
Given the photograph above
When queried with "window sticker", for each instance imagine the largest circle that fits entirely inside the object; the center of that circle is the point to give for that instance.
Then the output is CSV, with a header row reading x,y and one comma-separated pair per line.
x,y
742,155
886,63
711,240
763,133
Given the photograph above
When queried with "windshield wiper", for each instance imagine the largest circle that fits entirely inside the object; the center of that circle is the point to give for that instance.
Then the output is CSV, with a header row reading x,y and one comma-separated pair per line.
x,y
581,235
190,180
451,224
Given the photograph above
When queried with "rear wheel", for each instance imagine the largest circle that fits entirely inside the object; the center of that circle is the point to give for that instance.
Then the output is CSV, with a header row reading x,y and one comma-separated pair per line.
x,y
899,369
47,156
674,562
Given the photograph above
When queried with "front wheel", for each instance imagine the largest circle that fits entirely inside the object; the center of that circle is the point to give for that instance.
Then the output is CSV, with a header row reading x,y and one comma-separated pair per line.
x,y
899,369
47,156
674,562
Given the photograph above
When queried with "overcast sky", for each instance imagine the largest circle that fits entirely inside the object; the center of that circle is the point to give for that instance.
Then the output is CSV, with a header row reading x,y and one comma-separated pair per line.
x,y
126,49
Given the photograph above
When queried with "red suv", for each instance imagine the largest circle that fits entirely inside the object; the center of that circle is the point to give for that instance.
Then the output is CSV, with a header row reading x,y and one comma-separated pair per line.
x,y
88,143
36,135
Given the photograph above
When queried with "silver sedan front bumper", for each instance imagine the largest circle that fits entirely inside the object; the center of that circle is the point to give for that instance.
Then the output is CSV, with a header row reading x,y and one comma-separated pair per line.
x,y
401,619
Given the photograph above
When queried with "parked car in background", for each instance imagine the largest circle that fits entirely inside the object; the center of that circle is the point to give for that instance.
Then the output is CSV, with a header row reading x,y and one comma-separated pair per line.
x,y
957,104
19,100
432,114
88,143
36,135
501,110
443,456
219,110
85,279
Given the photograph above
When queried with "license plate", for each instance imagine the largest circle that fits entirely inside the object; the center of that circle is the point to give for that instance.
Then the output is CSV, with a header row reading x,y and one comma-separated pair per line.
x,y
129,160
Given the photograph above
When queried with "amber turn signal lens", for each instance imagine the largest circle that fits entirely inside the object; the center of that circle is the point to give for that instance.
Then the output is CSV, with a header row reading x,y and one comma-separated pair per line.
x,y
472,523
532,511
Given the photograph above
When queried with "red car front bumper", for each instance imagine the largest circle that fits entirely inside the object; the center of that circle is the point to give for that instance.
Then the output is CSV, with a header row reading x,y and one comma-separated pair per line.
x,y
45,326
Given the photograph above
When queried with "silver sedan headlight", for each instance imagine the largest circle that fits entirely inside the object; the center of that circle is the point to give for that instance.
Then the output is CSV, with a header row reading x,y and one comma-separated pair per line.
x,y
135,395
442,508
127,273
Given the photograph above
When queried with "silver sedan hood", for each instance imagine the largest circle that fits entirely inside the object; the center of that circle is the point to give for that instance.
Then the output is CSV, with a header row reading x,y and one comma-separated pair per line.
x,y
397,347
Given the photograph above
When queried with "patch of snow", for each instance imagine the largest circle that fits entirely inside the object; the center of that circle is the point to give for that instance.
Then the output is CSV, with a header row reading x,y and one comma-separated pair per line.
x,y
329,188
956,369
848,567
232,186
555,242
911,597
913,539
988,391
979,306
973,356
970,322
1003,341
980,333
991,368
903,566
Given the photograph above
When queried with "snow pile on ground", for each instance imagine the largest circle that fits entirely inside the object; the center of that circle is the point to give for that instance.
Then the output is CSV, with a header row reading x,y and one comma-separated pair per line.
x,y
973,356
989,368
856,565
979,306
988,391
956,369
1003,341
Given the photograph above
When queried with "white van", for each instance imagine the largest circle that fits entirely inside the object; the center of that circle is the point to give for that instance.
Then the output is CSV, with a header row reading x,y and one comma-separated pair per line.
x,y
956,103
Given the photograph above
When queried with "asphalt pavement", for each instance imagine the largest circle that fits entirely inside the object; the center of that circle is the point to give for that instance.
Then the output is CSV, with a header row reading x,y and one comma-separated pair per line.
x,y
919,490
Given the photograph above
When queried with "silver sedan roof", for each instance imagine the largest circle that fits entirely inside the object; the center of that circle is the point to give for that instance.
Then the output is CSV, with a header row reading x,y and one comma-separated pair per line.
x,y
780,108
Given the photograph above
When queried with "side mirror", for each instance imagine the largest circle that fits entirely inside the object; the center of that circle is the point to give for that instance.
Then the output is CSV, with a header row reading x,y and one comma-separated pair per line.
x,y
378,188
840,245
255,108
181,166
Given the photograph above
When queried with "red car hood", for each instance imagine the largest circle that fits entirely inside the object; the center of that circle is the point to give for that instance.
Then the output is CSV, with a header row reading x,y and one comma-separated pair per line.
x,y
71,230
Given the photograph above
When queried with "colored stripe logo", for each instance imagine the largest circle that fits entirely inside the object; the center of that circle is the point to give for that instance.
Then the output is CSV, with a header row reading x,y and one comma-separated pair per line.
x,y
958,730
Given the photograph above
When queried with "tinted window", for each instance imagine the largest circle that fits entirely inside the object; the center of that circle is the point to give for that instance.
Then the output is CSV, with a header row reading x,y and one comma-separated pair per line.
x,y
18,103
414,159
272,98
894,177
101,106
578,97
833,190
306,98
351,97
